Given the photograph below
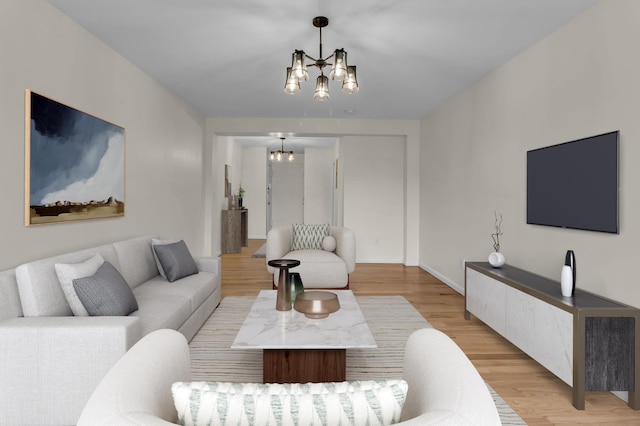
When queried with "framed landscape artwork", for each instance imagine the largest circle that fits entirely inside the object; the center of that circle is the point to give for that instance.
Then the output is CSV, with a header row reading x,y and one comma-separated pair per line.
x,y
74,164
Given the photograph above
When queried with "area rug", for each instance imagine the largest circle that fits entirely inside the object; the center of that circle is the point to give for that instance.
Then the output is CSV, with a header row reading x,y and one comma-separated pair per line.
x,y
261,252
391,320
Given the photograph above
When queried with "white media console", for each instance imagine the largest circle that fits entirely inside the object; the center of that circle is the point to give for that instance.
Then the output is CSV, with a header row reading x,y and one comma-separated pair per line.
x,y
591,343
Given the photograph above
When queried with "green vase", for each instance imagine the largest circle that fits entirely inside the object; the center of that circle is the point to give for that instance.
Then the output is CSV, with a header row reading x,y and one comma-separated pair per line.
x,y
296,285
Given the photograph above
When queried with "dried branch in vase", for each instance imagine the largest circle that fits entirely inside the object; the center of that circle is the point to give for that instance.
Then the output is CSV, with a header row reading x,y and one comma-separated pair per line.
x,y
496,235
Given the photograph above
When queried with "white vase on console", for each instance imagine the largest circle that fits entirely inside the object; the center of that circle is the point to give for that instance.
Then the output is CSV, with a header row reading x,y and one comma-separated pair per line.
x,y
496,259
566,281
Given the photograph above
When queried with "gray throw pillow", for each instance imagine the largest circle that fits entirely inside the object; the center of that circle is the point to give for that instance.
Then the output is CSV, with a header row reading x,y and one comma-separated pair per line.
x,y
106,293
176,260
157,242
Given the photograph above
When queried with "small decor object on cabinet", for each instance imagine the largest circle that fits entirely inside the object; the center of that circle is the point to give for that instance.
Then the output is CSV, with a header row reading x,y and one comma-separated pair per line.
x,y
568,275
566,281
496,259
232,202
240,195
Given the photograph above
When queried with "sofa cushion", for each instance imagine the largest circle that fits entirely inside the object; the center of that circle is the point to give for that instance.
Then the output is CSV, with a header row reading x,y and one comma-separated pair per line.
x,y
40,292
136,262
105,293
344,403
176,260
67,272
158,310
157,242
307,236
195,288
10,306
318,269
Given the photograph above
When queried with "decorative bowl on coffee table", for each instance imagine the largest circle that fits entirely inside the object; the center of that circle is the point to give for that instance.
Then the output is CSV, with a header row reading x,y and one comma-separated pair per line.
x,y
317,304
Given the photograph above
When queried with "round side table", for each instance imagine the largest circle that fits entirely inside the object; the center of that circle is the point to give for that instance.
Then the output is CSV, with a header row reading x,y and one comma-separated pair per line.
x,y
283,298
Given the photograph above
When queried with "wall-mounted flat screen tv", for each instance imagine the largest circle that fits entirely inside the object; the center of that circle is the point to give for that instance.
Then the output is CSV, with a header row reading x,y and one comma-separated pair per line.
x,y
575,184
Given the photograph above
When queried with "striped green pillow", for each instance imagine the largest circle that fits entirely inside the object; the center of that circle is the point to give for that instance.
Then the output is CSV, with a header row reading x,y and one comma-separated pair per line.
x,y
309,236
372,402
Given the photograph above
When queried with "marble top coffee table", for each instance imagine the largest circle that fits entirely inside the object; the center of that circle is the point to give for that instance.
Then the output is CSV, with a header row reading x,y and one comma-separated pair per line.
x,y
297,349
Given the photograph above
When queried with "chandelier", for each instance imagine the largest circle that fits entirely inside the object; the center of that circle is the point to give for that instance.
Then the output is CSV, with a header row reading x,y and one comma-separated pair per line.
x,y
340,70
279,154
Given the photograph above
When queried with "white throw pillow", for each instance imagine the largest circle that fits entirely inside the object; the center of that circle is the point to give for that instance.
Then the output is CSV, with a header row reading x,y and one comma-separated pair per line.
x,y
329,243
67,272
157,242
372,402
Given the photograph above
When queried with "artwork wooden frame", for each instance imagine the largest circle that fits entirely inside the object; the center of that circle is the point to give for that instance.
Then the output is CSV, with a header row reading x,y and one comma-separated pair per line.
x,y
227,181
74,164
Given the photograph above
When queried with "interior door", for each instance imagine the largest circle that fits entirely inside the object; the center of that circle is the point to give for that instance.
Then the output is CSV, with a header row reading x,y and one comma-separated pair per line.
x,y
287,193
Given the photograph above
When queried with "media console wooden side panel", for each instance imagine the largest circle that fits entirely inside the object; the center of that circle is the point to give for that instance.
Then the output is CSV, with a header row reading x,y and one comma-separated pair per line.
x,y
590,342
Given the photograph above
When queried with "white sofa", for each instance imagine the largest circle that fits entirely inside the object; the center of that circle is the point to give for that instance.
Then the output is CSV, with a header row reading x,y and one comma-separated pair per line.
x,y
318,268
51,361
444,387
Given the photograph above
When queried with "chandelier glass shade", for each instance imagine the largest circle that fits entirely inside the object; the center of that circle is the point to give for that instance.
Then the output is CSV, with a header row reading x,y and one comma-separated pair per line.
x,y
280,154
322,89
340,70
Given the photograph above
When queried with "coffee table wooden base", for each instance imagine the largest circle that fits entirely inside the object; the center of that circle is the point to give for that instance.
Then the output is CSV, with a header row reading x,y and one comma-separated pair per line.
x,y
304,365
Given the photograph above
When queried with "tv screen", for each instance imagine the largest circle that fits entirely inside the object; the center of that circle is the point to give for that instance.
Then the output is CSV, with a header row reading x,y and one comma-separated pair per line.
x,y
575,184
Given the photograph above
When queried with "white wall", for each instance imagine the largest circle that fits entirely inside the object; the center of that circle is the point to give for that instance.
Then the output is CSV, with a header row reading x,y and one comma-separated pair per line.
x,y
374,194
338,207
580,81
43,50
287,192
318,184
254,181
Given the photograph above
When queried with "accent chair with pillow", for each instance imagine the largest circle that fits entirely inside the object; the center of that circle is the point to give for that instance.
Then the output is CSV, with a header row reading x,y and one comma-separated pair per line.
x,y
327,254
440,386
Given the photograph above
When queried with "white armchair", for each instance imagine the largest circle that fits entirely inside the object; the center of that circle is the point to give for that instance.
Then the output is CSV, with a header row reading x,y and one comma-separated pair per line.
x,y
318,268
444,386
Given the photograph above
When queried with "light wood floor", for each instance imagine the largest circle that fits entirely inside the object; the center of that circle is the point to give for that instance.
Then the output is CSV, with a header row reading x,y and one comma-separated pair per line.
x,y
535,394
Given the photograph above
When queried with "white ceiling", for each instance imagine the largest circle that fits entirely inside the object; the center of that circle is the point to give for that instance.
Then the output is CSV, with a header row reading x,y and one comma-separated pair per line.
x,y
227,58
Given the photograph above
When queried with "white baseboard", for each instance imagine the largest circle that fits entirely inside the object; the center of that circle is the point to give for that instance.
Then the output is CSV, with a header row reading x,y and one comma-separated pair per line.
x,y
373,260
457,287
378,260
257,237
